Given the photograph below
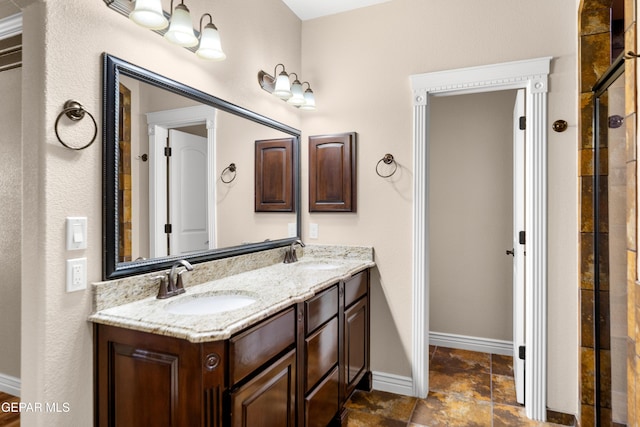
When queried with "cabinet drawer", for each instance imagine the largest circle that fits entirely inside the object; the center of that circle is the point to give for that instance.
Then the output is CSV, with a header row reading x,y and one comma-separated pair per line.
x,y
355,287
322,404
321,353
321,308
256,346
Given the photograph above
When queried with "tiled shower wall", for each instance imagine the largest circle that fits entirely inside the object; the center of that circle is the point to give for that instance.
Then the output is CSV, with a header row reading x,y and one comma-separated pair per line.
x,y
594,50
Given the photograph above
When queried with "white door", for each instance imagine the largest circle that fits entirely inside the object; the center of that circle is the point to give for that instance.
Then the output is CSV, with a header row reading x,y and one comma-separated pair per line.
x,y
188,209
519,238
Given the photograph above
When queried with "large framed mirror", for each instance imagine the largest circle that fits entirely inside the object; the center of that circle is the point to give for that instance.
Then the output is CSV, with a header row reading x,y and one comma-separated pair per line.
x,y
168,190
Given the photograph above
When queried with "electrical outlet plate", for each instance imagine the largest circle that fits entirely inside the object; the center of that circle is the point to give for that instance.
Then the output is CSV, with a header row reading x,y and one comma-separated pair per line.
x,y
313,231
291,229
76,274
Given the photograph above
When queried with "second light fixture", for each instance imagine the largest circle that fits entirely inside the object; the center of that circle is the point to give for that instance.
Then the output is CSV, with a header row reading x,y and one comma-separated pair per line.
x,y
293,93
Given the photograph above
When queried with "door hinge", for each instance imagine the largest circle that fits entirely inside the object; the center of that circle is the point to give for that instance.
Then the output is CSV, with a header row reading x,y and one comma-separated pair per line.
x,y
521,352
521,237
523,122
167,228
167,151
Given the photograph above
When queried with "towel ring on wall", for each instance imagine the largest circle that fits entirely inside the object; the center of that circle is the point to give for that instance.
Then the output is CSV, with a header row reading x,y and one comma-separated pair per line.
x,y
232,169
387,160
75,112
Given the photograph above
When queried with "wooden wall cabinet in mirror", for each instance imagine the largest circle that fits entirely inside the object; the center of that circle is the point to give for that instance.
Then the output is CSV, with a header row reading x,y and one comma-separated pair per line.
x,y
332,173
274,175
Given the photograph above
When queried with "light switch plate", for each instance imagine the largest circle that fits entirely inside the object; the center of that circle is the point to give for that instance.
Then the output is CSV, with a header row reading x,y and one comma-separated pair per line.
x,y
291,229
76,233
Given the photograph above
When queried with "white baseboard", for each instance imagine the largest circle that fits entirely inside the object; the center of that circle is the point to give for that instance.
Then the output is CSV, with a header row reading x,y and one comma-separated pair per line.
x,y
10,385
463,342
392,383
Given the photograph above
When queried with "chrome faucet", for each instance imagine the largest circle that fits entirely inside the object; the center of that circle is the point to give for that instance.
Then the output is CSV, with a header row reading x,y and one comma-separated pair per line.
x,y
290,255
171,283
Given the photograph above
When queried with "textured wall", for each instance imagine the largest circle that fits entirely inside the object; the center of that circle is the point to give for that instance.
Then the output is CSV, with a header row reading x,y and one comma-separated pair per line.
x,y
11,213
359,64
63,43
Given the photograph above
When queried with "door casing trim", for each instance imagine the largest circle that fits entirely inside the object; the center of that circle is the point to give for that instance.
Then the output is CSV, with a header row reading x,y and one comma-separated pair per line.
x,y
531,75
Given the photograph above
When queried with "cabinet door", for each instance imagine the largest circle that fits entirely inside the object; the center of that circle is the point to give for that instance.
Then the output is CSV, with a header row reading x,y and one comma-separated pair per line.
x,y
146,380
269,398
356,344
332,173
274,171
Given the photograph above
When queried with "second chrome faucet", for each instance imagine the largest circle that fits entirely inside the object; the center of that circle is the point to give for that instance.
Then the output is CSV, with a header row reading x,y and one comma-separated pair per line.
x,y
171,283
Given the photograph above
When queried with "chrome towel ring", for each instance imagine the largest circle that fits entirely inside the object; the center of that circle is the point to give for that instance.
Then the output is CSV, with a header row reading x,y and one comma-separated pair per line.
x,y
387,160
75,112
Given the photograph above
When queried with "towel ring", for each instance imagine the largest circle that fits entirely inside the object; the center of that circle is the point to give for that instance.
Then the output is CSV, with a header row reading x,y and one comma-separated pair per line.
x,y
75,112
387,160
231,168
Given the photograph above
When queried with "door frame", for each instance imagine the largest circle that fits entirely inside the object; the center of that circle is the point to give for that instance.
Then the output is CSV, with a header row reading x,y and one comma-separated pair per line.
x,y
158,125
531,75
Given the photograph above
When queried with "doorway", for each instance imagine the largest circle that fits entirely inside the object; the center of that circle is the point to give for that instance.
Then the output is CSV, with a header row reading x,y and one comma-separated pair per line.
x,y
196,228
476,171
531,75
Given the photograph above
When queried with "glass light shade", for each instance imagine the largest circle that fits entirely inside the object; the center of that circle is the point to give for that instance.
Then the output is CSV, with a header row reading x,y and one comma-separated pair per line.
x,y
282,88
210,46
309,100
181,28
149,14
297,98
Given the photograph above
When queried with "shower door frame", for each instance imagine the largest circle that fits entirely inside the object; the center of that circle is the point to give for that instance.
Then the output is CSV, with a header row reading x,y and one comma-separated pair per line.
x,y
531,75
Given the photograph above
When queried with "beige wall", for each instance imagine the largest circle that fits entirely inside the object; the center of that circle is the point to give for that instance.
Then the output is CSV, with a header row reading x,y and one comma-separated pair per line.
x,y
471,215
10,212
359,65
58,65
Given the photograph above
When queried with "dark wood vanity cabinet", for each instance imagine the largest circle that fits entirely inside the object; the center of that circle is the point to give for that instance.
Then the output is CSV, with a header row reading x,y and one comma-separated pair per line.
x,y
295,368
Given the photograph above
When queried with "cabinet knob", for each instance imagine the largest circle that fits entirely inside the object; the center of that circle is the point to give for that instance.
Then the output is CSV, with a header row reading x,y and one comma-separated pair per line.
x,y
212,361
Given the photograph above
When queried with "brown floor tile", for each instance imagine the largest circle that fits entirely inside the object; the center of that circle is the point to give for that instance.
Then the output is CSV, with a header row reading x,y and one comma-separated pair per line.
x,y
364,419
443,410
381,403
503,390
501,365
454,360
471,385
510,416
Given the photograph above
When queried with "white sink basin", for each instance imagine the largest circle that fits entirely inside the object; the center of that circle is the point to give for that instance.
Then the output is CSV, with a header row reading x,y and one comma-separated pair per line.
x,y
209,304
317,266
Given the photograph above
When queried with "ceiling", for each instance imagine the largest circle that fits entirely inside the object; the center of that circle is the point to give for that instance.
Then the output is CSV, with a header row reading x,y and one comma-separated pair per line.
x,y
310,9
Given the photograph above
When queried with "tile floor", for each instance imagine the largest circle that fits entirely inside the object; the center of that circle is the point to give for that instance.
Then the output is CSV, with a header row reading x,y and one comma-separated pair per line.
x,y
465,389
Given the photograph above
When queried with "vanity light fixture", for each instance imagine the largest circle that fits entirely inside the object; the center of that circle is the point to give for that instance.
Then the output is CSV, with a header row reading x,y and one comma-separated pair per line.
x,y
282,87
210,46
149,14
180,29
297,97
309,99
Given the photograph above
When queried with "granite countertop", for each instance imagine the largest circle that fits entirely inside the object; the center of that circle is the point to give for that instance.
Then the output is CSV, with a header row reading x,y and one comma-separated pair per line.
x,y
275,287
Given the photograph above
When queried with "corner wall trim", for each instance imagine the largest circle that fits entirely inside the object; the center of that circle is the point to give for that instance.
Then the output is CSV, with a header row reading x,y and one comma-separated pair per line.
x,y
392,383
10,385
463,342
11,26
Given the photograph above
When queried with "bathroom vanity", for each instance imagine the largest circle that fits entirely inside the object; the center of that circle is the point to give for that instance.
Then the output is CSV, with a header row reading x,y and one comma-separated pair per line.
x,y
291,358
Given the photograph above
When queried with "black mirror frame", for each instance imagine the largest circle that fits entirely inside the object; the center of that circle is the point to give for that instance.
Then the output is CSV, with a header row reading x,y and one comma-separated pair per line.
x,y
112,269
